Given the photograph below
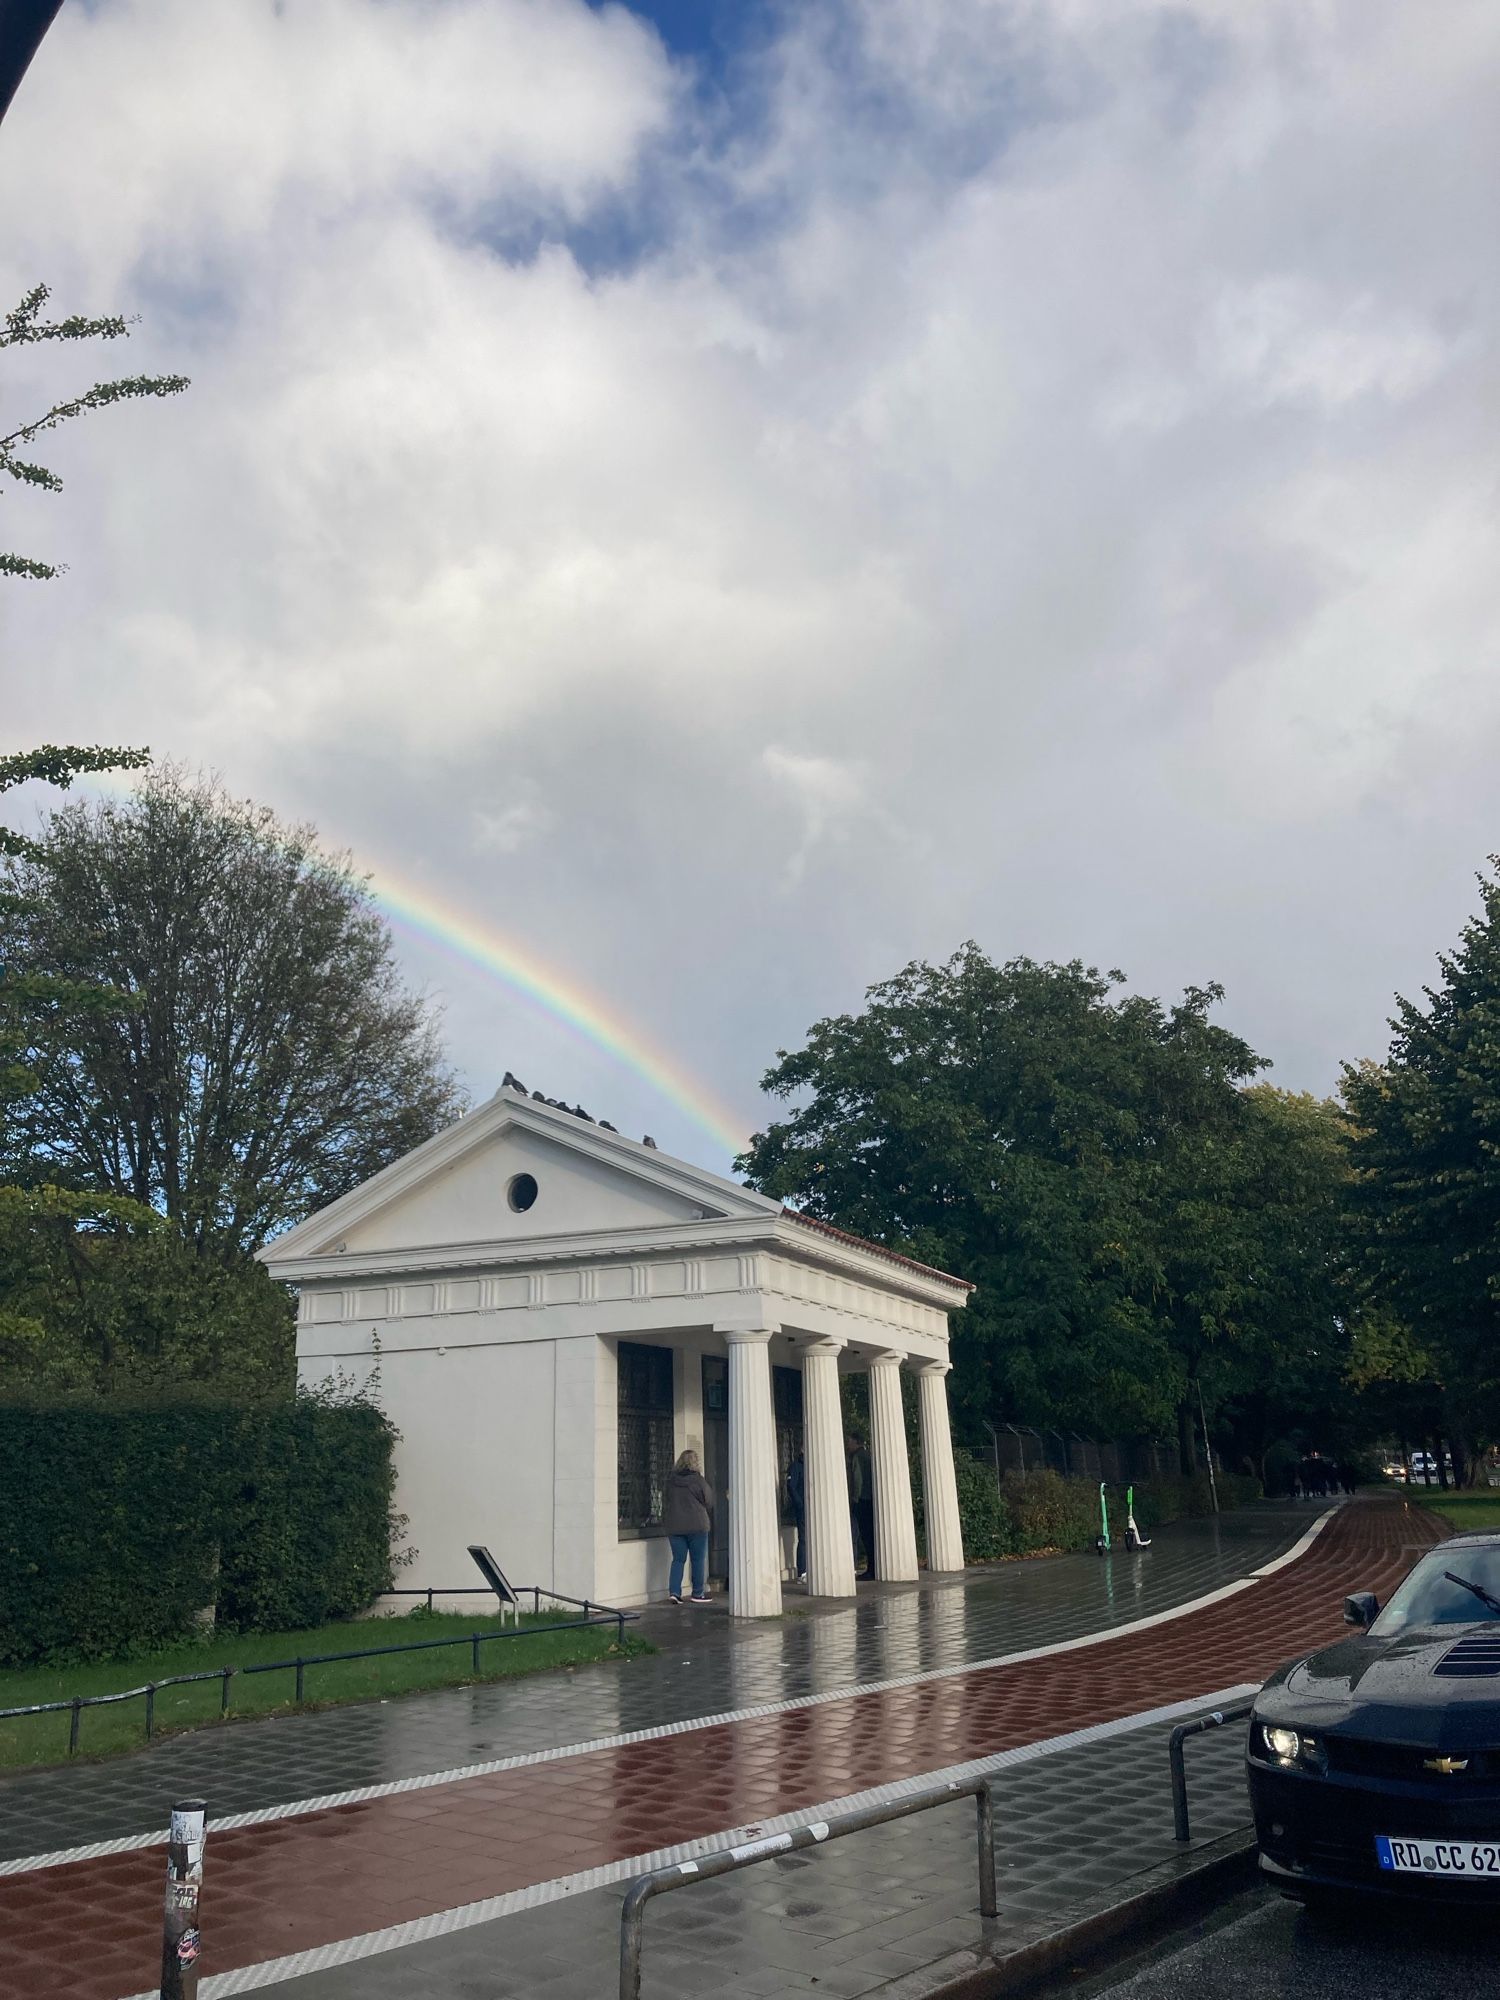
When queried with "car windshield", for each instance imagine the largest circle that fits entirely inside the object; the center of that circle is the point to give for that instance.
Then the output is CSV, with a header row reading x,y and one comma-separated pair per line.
x,y
1428,1597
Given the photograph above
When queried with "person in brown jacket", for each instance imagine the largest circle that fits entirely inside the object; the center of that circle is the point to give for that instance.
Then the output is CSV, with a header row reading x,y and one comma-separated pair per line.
x,y
687,1515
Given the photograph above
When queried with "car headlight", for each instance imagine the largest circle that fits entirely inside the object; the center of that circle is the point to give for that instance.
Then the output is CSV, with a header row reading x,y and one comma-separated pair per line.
x,y
1290,1746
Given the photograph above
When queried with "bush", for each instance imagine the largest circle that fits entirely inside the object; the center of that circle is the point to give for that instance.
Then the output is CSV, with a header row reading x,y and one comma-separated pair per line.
x,y
120,1527
1051,1512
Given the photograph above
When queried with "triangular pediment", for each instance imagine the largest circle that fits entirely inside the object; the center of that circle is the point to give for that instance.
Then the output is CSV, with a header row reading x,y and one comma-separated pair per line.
x,y
517,1171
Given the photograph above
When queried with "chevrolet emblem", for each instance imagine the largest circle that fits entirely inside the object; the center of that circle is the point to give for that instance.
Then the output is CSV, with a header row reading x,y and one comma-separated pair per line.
x,y
1447,1765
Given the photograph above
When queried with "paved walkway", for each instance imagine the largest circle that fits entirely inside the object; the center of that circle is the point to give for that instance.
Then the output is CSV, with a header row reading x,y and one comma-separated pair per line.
x,y
707,1665
423,1857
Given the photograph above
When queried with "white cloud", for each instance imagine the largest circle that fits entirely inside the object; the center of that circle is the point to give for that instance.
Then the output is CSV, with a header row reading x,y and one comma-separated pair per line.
x,y
1055,431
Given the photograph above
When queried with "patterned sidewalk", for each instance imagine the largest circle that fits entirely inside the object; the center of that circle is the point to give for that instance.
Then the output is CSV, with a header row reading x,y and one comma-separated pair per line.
x,y
707,1665
314,1879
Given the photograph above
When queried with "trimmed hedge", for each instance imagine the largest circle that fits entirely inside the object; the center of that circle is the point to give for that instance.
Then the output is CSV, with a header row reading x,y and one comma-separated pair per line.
x,y
120,1527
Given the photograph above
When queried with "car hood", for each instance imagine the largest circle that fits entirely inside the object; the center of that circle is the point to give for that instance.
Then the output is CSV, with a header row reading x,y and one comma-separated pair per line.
x,y
1387,1689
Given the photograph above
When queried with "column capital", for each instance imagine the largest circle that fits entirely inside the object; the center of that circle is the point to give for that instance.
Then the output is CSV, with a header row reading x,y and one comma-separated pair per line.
x,y
922,1364
737,1330
888,1357
822,1343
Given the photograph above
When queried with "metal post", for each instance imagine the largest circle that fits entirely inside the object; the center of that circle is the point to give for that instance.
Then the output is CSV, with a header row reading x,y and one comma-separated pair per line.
x,y
985,1810
298,1664
1213,1484
73,1725
224,1692
150,1710
1181,1831
181,1944
476,1652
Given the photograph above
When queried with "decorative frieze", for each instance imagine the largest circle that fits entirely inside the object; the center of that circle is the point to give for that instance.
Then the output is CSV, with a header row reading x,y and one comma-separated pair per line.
x,y
666,1279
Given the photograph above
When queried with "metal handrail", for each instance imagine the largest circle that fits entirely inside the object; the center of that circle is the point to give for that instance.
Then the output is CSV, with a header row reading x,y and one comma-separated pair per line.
x,y
1178,1761
816,1833
594,1615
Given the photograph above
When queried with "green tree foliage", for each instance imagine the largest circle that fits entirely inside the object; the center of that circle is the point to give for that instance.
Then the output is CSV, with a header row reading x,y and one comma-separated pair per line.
x,y
104,1298
24,327
1075,1150
34,1008
269,1059
1426,1151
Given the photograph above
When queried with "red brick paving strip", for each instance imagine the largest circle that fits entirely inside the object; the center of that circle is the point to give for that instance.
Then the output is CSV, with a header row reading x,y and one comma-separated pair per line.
x,y
91,1930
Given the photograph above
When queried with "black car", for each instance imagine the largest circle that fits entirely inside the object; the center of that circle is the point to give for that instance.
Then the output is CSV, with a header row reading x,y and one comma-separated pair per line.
x,y
1375,1764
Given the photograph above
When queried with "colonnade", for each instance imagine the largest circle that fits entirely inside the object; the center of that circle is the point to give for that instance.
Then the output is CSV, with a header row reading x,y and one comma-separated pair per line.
x,y
754,1511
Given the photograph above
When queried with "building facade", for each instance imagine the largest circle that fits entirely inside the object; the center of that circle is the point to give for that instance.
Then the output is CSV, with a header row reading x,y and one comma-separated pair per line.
x,y
551,1312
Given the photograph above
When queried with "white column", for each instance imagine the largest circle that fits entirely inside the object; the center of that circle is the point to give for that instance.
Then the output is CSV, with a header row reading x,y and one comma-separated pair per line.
x,y
830,1538
895,1526
945,1542
754,1531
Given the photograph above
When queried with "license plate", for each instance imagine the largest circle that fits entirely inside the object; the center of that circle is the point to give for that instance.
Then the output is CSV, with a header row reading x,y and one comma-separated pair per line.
x,y
1471,1858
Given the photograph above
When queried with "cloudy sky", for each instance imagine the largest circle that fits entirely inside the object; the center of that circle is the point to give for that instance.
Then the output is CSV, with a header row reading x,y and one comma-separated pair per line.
x,y
727,497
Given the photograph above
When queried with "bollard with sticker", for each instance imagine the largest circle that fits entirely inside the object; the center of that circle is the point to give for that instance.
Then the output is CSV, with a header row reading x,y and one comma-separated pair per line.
x,y
182,1941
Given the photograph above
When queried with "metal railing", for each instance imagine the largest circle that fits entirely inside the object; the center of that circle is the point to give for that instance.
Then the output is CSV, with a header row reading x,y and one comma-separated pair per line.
x,y
1178,1761
593,1615
815,1834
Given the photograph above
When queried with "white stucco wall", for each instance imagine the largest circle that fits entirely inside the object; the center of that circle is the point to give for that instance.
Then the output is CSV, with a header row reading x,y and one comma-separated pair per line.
x,y
494,1448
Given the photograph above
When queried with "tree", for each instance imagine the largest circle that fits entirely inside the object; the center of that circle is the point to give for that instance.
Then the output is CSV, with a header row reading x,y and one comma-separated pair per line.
x,y
1426,1150
269,1060
1030,1128
23,327
1282,1303
33,1005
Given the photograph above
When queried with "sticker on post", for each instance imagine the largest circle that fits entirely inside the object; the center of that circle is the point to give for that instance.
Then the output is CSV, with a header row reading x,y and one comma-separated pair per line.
x,y
189,1947
182,1895
775,1843
187,1826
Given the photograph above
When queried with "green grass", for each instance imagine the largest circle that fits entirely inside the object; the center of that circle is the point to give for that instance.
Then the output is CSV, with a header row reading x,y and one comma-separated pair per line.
x,y
105,1732
1464,1510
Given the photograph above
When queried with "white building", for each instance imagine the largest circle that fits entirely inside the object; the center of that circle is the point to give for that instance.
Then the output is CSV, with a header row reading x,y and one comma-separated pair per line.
x,y
557,1311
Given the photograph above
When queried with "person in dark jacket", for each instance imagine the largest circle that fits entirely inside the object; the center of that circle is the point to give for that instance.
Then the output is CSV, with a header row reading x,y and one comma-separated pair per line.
x,y
796,1493
687,1515
861,1501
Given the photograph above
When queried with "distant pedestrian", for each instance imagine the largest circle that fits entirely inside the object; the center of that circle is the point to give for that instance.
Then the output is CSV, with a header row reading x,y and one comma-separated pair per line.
x,y
796,1493
687,1515
861,1501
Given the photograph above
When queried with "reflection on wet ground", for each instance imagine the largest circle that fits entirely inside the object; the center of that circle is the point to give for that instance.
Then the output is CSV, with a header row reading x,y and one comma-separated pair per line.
x,y
707,1664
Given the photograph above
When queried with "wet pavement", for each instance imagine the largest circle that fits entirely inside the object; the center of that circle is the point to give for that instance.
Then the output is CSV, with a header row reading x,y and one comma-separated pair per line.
x,y
707,1665
399,1869
1272,1947
852,1916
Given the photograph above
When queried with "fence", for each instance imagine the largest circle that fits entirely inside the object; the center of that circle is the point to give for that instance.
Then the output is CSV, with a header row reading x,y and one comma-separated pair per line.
x,y
593,1614
731,1859
817,1833
1019,1449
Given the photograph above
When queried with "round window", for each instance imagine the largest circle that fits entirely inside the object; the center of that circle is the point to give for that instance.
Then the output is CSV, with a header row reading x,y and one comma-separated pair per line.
x,y
522,1192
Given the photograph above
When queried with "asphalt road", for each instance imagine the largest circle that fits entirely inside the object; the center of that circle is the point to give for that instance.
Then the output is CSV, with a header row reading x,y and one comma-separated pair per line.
x,y
1264,1948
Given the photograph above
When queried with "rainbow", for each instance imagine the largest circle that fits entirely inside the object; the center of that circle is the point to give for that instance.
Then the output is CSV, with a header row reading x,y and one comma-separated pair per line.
x,y
464,938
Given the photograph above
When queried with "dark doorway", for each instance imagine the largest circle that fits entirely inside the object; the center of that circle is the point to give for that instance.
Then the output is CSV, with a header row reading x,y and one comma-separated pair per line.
x,y
716,1459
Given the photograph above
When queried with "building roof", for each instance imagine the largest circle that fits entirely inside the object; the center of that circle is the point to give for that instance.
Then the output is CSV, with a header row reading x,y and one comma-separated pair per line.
x,y
875,1249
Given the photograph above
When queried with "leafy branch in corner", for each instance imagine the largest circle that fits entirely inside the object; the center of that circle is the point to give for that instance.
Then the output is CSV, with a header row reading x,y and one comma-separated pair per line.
x,y
23,326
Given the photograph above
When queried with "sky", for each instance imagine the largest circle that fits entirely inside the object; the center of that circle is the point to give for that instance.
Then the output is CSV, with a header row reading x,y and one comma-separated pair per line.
x,y
719,500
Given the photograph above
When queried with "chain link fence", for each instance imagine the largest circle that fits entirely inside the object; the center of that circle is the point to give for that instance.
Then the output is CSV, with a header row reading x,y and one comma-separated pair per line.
x,y
1020,1450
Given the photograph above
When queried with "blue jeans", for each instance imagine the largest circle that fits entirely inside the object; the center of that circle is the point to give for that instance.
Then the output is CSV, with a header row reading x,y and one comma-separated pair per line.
x,y
695,1546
